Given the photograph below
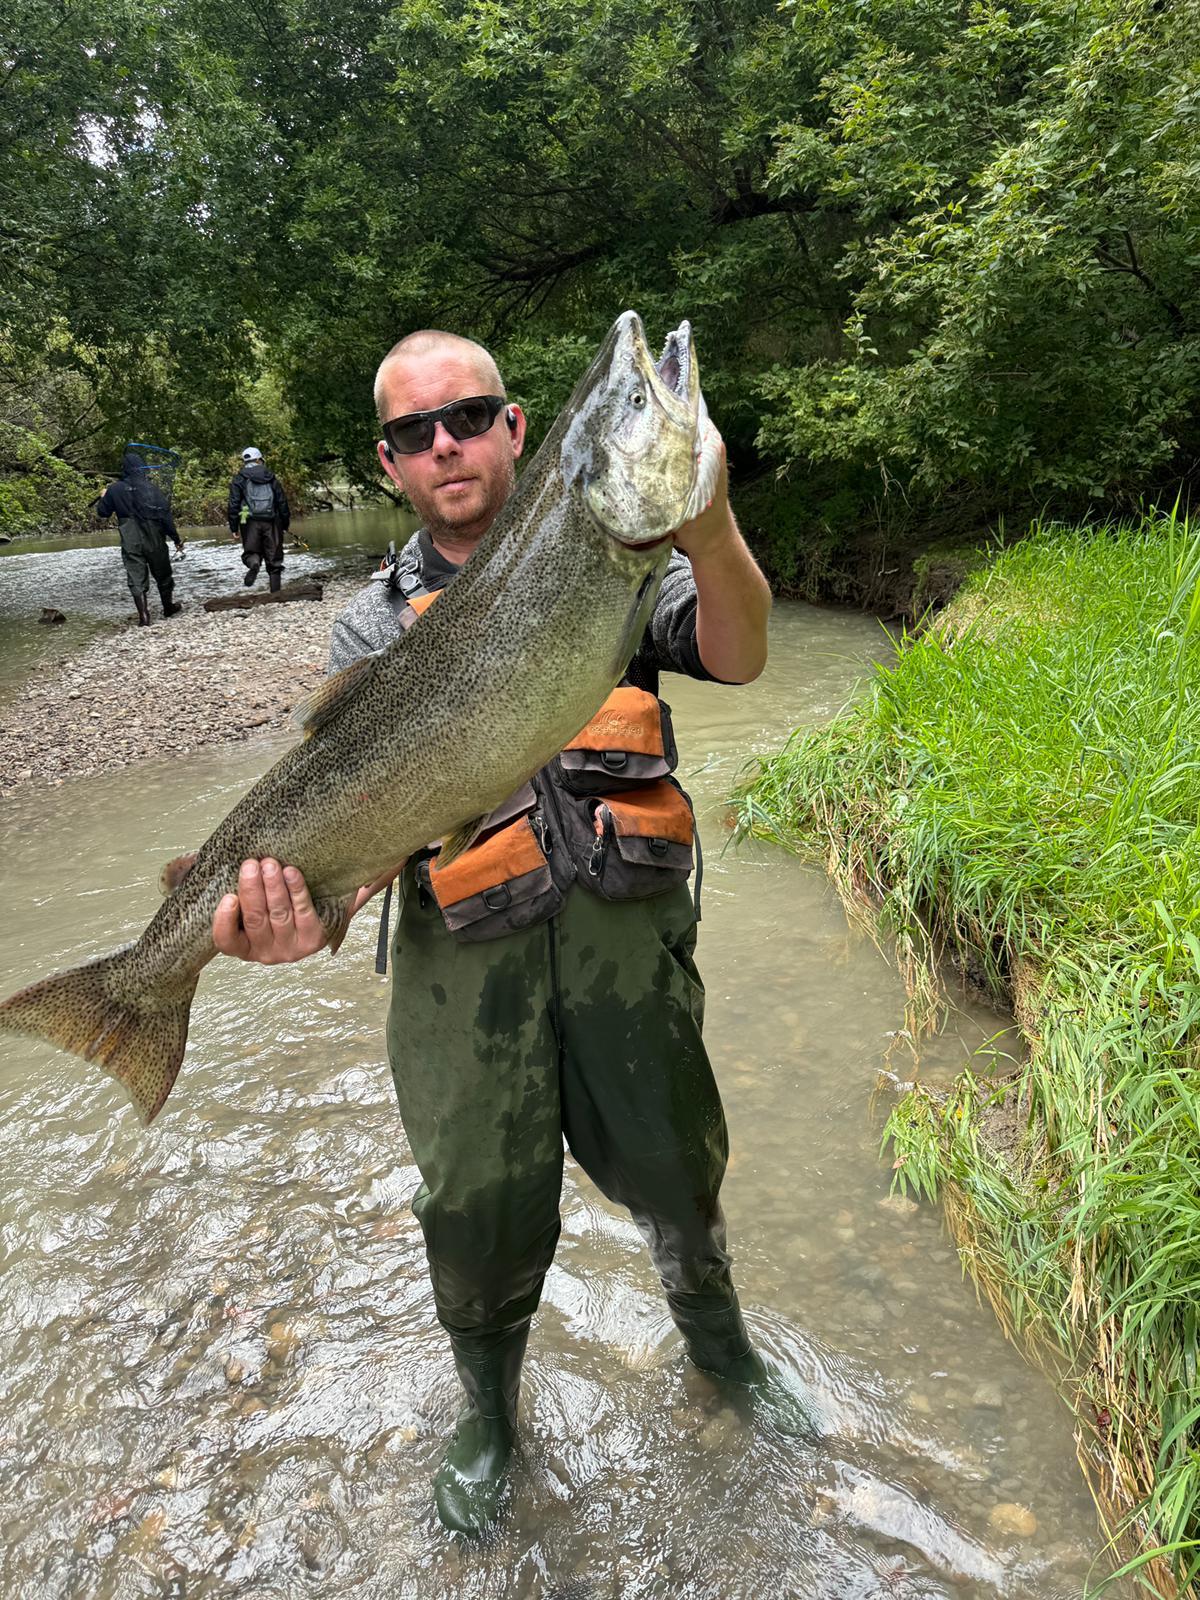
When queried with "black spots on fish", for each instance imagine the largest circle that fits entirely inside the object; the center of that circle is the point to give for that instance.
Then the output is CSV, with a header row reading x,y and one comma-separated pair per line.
x,y
438,993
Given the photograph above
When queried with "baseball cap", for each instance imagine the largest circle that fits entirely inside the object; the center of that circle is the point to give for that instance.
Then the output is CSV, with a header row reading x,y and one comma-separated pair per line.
x,y
251,454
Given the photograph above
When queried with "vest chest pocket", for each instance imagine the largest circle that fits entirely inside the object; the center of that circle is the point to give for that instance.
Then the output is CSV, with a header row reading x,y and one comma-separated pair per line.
x,y
636,844
628,743
500,884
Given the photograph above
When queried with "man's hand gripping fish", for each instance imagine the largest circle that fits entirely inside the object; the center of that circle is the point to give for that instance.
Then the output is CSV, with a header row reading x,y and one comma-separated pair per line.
x,y
425,739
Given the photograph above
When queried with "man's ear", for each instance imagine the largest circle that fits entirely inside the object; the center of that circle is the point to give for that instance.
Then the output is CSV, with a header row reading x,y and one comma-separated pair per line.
x,y
388,462
515,418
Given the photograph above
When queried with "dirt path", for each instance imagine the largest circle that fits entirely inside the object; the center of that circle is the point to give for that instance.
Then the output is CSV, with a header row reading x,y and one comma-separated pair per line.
x,y
199,679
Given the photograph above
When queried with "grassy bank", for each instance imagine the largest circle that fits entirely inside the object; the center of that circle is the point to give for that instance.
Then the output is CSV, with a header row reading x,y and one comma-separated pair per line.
x,y
1021,788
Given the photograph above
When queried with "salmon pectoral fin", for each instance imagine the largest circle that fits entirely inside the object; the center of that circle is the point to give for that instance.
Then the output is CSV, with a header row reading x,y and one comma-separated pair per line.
x,y
335,919
89,1012
461,839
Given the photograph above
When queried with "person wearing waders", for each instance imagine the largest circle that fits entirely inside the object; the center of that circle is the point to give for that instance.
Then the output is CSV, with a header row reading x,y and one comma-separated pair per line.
x,y
259,516
544,987
144,518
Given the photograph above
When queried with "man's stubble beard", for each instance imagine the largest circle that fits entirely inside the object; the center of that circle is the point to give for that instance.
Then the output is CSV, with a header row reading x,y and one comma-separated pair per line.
x,y
498,497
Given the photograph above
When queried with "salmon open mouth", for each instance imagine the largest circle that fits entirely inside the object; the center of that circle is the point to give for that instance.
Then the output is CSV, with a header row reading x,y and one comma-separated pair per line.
x,y
674,366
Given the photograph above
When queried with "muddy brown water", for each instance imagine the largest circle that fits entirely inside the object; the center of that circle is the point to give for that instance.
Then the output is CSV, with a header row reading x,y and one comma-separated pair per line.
x,y
219,1367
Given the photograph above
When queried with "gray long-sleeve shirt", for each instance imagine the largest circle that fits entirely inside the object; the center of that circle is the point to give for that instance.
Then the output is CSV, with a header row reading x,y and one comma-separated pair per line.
x,y
372,619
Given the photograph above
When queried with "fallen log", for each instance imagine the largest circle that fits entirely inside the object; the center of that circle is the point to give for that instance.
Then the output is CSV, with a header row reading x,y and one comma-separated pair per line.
x,y
265,597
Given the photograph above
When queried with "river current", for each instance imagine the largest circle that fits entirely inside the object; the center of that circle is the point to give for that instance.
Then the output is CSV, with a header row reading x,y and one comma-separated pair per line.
x,y
220,1372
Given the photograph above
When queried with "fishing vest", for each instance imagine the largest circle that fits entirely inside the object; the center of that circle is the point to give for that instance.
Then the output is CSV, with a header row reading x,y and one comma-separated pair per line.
x,y
606,813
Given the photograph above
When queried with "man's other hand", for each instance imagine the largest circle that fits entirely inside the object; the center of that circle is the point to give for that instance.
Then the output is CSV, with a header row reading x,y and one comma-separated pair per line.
x,y
271,918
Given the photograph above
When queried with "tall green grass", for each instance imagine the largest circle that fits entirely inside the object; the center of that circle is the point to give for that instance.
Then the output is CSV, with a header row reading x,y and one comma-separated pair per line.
x,y
1022,785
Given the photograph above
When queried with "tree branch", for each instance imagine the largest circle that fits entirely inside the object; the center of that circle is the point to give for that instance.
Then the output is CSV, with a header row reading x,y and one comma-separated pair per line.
x,y
1132,268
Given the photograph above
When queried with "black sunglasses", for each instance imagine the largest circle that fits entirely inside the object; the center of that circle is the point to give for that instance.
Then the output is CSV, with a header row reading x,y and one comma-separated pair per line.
x,y
462,419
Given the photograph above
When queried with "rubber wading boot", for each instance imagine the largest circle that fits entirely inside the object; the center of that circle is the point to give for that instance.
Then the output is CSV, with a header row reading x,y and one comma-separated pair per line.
x,y
718,1343
171,608
276,581
143,610
471,1479
251,574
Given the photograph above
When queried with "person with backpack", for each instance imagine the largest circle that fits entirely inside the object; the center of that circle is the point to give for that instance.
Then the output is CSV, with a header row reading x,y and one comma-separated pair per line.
x,y
259,515
144,517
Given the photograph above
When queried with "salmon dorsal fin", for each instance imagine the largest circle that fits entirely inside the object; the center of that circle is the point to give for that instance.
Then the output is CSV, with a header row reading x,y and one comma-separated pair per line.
x,y
328,698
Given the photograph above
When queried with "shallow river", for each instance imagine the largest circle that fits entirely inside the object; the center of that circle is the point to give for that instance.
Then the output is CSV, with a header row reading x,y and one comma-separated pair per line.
x,y
219,1365
83,579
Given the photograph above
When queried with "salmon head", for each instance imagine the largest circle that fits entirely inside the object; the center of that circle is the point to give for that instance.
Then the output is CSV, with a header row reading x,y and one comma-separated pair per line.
x,y
634,448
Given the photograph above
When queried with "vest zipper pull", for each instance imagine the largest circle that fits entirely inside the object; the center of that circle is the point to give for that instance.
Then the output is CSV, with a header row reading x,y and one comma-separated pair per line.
x,y
542,828
600,820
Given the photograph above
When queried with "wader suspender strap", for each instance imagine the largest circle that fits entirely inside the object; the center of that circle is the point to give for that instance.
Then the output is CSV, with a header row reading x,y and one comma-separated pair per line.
x,y
381,945
699,871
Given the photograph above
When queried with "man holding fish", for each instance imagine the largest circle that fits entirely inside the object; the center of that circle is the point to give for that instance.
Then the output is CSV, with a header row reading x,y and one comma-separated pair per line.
x,y
543,984
585,1022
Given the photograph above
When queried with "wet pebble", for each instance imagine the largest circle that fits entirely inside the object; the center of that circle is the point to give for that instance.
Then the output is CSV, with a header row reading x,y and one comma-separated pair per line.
x,y
1010,1518
70,723
989,1397
719,1433
282,1340
900,1204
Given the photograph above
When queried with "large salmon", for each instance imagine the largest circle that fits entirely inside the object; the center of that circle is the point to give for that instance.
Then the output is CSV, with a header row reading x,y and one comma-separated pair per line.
x,y
425,738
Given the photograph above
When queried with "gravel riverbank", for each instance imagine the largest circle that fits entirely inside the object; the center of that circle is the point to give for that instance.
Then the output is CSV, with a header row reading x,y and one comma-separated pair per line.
x,y
198,679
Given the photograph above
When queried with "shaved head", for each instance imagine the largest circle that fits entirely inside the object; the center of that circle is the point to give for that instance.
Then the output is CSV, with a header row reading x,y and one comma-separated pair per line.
x,y
433,342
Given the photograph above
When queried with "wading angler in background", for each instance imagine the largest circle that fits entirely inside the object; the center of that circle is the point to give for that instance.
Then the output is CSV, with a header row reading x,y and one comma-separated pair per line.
x,y
544,986
259,516
146,523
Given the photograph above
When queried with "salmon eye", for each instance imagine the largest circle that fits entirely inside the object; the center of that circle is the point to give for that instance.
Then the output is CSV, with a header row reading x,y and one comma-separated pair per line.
x,y
637,399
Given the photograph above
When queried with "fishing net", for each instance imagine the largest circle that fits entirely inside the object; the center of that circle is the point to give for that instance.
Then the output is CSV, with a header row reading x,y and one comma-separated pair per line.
x,y
160,464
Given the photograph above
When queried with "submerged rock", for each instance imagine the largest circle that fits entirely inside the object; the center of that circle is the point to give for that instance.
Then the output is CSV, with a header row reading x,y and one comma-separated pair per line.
x,y
1009,1517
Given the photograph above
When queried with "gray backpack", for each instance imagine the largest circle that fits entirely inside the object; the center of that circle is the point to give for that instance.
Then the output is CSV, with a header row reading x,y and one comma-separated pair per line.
x,y
260,498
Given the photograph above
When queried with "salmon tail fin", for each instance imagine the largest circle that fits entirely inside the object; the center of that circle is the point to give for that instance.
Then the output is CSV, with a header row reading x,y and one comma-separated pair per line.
x,y
99,1014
